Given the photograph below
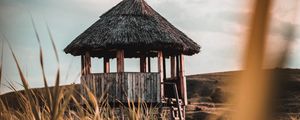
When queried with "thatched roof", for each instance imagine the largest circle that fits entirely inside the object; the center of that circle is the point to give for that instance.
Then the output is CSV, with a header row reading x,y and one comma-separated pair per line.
x,y
132,25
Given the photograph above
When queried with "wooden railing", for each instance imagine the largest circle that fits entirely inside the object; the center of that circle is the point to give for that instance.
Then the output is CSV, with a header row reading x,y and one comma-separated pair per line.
x,y
124,87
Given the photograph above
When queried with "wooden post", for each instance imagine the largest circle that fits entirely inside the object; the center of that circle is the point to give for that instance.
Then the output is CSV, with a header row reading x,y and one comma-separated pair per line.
x,y
82,65
160,70
164,68
86,64
178,75
106,65
182,80
177,67
173,67
120,61
143,64
149,64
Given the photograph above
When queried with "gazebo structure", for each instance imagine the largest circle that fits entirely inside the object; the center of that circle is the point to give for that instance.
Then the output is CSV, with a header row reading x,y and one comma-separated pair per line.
x,y
132,29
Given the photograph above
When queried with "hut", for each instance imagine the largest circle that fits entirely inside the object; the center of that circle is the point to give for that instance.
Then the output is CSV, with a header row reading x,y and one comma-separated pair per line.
x,y
132,29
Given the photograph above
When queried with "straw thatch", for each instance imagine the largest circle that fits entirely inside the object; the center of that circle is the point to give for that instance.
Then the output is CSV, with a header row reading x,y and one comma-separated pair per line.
x,y
134,26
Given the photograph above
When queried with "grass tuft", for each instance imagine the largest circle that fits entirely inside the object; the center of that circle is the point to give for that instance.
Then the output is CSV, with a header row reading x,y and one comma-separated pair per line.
x,y
63,103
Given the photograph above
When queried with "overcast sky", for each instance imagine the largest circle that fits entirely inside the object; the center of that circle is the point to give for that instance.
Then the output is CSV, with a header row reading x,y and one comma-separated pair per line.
x,y
217,25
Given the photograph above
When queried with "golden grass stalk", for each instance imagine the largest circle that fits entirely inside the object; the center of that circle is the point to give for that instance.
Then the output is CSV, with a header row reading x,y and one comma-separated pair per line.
x,y
27,91
48,94
1,67
253,84
55,105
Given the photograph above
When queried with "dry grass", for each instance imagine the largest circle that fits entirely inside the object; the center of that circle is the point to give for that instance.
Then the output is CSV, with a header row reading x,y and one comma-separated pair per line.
x,y
63,103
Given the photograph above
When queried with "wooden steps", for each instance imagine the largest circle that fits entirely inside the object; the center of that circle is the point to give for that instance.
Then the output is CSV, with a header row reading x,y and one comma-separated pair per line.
x,y
177,110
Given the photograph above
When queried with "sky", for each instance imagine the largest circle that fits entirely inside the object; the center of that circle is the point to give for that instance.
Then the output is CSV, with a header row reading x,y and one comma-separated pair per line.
x,y
218,26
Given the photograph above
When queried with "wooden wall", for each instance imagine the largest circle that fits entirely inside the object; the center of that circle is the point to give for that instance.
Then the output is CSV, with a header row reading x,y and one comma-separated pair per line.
x,y
120,86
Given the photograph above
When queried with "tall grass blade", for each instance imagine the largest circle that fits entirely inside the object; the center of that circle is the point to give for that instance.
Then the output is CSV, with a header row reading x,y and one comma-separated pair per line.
x,y
57,81
26,86
69,69
53,43
253,84
55,95
48,94
1,67
67,97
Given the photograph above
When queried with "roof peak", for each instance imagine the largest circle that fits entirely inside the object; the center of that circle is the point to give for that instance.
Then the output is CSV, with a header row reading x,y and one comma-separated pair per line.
x,y
135,26
130,7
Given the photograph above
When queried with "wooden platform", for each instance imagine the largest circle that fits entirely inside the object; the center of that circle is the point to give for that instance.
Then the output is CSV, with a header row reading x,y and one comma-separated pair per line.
x,y
124,87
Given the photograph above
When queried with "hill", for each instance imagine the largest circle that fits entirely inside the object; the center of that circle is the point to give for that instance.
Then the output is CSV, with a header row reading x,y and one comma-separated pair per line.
x,y
206,93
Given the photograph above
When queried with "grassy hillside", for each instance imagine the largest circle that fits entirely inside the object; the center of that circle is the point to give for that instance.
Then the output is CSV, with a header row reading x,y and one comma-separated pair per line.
x,y
206,94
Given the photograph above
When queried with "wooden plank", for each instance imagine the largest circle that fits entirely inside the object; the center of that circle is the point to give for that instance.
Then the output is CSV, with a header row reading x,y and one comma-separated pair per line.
x,y
142,87
136,87
118,89
82,82
158,88
103,92
147,89
106,65
153,91
124,87
116,86
120,86
113,87
133,87
93,84
129,87
99,86
96,84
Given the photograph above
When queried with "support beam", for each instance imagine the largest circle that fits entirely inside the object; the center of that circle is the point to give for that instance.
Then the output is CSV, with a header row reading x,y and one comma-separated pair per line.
x,y
86,64
173,67
177,66
164,68
149,64
160,70
120,61
143,64
182,80
106,65
82,65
